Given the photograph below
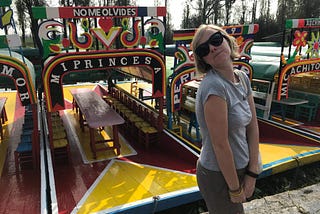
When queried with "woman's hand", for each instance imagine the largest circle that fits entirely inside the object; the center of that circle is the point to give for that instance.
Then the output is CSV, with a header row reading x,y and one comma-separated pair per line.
x,y
238,196
249,186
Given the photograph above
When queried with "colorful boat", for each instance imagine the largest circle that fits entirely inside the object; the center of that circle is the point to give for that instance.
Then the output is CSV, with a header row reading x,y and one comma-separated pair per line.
x,y
57,156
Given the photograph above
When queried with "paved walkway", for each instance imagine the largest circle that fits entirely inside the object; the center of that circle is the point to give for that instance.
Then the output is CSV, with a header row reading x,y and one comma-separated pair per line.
x,y
301,201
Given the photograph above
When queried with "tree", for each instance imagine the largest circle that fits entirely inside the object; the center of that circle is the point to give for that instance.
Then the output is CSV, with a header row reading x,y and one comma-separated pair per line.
x,y
287,9
169,26
33,23
309,9
21,19
254,11
189,20
185,18
228,5
209,11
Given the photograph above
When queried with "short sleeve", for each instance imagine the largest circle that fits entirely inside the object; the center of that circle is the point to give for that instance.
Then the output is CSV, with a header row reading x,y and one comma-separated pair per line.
x,y
213,87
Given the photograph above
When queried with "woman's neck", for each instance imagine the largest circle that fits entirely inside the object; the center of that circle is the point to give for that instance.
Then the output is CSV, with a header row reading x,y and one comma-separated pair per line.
x,y
226,72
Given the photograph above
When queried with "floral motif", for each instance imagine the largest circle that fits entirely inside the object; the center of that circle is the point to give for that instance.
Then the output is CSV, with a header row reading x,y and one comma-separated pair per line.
x,y
300,39
314,45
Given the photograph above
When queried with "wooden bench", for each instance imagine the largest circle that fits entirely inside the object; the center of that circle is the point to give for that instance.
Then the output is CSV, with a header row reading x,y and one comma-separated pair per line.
x,y
58,139
23,155
140,120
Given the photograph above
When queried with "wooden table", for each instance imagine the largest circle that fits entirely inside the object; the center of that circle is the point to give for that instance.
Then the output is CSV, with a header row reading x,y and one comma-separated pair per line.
x,y
3,116
97,113
290,101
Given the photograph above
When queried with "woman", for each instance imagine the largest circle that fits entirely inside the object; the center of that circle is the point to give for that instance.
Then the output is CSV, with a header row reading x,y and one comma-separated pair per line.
x,y
228,165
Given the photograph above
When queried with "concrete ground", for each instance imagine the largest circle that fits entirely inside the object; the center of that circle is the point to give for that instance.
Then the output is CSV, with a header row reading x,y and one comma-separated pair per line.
x,y
302,201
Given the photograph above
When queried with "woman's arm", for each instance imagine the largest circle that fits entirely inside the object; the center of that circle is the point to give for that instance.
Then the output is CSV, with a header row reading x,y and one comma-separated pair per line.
x,y
216,116
253,141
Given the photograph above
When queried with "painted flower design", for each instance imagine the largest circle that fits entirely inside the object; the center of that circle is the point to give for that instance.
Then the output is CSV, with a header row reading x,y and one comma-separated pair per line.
x,y
314,45
239,40
300,39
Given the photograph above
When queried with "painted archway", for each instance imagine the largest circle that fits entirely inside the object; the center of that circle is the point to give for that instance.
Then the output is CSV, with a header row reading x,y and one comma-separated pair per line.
x,y
62,64
23,77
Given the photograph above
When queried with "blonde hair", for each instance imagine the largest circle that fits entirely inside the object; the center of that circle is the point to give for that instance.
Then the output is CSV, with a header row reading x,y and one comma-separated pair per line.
x,y
200,64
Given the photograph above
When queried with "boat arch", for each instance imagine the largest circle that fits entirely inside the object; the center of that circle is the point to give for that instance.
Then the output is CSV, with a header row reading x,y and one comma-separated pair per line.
x,y
100,44
22,74
303,51
76,62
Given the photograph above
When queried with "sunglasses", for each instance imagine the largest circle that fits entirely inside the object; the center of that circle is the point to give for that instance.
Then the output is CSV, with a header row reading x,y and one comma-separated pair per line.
x,y
215,39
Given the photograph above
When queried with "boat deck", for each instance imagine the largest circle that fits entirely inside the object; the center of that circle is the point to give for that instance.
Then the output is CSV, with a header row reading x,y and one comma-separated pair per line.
x,y
139,180
20,190
110,182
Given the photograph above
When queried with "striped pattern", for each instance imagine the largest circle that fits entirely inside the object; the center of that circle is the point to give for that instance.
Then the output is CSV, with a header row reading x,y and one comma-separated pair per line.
x,y
303,23
242,29
95,12
235,30
183,35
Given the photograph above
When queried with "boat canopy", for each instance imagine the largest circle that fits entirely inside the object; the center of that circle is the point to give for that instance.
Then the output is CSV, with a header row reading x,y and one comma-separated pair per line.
x,y
265,70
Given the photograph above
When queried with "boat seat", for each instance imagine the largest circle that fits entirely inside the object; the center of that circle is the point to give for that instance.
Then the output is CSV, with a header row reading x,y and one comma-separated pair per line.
x,y
27,125
23,155
61,149
59,135
27,131
59,144
26,138
309,110
177,129
134,89
148,135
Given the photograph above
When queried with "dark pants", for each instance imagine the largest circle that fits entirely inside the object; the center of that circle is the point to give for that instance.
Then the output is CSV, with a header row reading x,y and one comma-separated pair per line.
x,y
215,191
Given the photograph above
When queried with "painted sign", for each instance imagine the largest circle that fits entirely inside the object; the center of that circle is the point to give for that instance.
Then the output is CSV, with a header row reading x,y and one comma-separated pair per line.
x,y
73,47
62,64
303,59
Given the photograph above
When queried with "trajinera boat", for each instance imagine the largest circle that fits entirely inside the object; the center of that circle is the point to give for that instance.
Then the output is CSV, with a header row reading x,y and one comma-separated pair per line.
x,y
101,119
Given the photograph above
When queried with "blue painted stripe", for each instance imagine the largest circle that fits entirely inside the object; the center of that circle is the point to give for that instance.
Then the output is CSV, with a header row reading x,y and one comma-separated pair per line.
x,y
268,168
160,203
142,11
290,158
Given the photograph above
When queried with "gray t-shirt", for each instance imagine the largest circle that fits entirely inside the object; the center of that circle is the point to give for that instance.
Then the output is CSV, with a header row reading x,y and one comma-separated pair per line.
x,y
239,116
